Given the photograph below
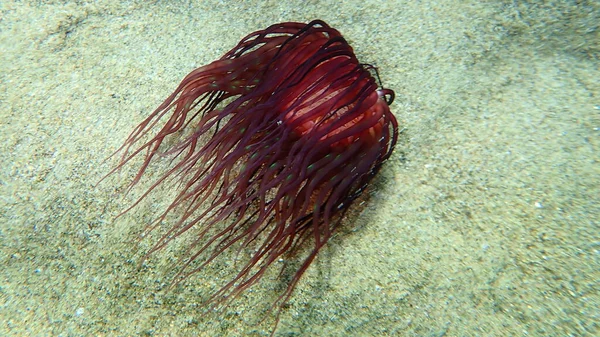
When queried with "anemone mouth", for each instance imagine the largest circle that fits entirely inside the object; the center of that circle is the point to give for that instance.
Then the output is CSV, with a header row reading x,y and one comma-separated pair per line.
x,y
373,117
343,102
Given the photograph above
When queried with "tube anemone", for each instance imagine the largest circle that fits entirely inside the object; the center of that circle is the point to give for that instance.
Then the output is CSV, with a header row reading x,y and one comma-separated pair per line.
x,y
297,127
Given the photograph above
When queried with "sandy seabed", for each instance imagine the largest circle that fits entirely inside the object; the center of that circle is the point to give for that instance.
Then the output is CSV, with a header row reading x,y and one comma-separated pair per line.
x,y
485,221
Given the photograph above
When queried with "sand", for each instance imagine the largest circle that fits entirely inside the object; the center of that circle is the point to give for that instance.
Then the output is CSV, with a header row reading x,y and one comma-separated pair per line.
x,y
485,221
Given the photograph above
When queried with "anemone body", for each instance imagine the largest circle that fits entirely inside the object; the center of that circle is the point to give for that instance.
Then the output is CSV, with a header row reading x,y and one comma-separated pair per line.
x,y
297,126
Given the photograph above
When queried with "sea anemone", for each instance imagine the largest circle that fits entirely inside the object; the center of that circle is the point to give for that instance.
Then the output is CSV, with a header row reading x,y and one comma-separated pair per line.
x,y
269,146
